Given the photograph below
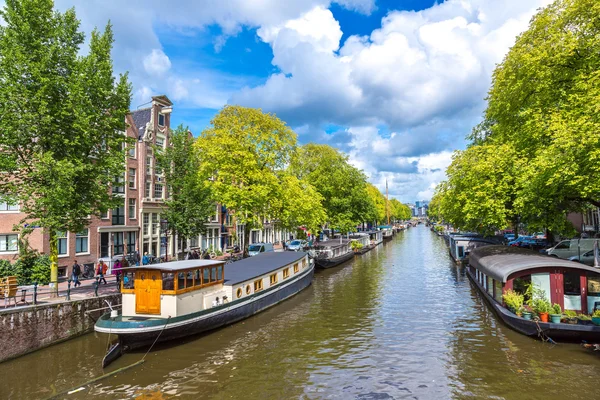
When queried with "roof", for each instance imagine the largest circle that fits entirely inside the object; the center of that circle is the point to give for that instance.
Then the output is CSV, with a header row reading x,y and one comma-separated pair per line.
x,y
500,262
332,243
140,118
258,265
474,239
178,265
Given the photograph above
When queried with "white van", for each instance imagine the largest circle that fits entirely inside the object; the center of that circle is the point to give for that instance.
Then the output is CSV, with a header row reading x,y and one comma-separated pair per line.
x,y
573,247
257,248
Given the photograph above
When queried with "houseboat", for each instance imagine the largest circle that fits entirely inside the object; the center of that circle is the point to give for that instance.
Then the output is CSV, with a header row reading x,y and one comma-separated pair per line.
x,y
364,240
332,252
574,286
376,237
388,232
171,300
460,246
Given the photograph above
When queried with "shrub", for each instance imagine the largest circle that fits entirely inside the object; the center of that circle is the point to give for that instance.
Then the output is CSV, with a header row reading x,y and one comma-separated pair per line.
x,y
40,271
513,300
6,269
356,245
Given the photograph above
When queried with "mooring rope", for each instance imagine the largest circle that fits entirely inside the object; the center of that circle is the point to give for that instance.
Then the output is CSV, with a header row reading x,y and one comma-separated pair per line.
x,y
155,340
541,334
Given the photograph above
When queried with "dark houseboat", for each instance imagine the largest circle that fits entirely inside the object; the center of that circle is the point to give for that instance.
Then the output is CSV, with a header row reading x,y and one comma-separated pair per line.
x,y
574,286
388,232
176,299
332,252
460,246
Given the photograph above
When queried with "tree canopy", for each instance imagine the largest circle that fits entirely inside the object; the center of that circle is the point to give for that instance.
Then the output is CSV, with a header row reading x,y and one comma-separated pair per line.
x,y
63,118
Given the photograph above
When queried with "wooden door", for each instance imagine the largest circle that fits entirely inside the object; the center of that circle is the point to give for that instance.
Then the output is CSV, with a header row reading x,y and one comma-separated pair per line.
x,y
148,285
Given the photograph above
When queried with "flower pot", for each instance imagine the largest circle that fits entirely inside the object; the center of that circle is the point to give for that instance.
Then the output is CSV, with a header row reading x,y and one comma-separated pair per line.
x,y
526,315
544,316
596,320
555,318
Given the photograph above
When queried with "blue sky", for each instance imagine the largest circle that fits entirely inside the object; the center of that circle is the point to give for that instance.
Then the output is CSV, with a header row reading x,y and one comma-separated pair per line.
x,y
396,85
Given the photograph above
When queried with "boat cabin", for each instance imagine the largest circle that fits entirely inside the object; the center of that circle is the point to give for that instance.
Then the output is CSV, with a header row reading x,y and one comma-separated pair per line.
x,y
361,238
178,288
461,246
376,237
573,285
332,248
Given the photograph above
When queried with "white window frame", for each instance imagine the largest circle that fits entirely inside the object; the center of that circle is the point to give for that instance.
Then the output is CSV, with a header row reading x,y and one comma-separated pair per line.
x,y
129,182
162,191
164,119
5,207
134,214
8,251
87,238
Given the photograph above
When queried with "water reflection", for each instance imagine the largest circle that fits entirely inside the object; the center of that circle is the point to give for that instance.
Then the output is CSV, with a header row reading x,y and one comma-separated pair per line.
x,y
402,321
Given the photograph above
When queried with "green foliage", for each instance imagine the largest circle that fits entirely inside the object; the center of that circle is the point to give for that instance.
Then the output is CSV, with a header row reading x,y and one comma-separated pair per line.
x,y
541,306
399,211
63,117
535,156
596,314
379,201
6,269
190,202
513,300
40,271
570,313
556,309
584,317
342,186
356,245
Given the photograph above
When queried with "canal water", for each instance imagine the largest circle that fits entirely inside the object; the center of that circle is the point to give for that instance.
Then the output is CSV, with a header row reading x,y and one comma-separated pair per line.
x,y
400,322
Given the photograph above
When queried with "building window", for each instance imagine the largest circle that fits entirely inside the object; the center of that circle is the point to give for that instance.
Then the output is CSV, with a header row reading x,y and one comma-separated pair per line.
x,y
9,243
81,241
119,185
131,242
131,178
118,243
286,273
118,215
147,193
61,238
258,285
149,165
155,224
132,209
146,223
161,119
6,205
131,151
158,191
160,142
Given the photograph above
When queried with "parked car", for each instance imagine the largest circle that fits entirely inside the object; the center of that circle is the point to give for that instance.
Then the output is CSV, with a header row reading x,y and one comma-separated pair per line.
x,y
570,248
515,243
297,245
539,235
257,248
509,237
534,243
586,258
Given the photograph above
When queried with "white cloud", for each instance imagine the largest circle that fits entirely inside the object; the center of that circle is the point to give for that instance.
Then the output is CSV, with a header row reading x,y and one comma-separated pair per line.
x,y
157,63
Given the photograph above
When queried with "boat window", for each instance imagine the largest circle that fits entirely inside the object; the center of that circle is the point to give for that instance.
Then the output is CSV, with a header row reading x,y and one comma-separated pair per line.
x,y
189,282
197,277
258,285
461,251
239,293
248,289
181,280
206,276
213,274
296,268
168,281
498,291
128,280
219,273
520,285
490,286
572,283
303,263
593,284
286,273
565,244
273,278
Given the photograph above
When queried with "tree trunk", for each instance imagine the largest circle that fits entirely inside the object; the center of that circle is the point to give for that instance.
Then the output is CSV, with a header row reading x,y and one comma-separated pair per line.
x,y
53,263
246,238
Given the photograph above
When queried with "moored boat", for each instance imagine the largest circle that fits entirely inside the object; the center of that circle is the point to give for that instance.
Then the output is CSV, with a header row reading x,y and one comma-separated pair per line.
x,y
333,252
376,237
364,240
574,286
388,233
162,302
460,246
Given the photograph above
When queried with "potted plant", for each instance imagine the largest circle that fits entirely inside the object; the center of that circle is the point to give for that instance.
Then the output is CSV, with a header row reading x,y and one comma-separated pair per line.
x,y
542,308
583,319
596,317
513,300
556,313
526,313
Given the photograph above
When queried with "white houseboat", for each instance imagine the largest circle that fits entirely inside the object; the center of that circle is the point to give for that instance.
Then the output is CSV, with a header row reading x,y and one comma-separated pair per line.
x,y
171,300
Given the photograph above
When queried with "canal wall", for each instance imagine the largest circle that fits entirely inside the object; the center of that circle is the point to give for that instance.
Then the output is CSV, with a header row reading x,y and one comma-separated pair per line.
x,y
26,329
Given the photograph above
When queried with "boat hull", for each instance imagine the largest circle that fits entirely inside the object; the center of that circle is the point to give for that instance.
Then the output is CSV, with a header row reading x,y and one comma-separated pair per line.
x,y
333,262
557,332
387,238
139,337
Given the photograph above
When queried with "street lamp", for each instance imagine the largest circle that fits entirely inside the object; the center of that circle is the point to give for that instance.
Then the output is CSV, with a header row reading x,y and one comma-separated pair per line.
x,y
164,226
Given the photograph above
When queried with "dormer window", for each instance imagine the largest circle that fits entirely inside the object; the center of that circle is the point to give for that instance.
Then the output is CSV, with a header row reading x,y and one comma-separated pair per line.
x,y
161,119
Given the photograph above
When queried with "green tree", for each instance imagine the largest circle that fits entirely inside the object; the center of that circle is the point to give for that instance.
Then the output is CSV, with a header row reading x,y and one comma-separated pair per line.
x,y
379,202
243,155
342,186
63,118
190,202
399,211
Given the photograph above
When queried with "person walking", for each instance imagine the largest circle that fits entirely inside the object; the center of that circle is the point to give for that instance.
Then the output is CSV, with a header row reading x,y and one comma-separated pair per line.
x,y
146,259
116,270
100,271
76,273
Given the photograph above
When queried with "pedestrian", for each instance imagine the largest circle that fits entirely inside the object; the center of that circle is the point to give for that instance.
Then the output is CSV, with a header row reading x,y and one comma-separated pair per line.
x,y
116,270
137,257
100,271
145,259
76,273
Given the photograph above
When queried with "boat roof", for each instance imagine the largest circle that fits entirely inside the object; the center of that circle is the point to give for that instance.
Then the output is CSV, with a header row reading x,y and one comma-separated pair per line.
x,y
258,265
474,239
178,265
332,243
500,262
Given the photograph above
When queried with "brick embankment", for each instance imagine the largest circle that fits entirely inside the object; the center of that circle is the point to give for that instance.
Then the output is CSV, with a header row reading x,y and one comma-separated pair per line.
x,y
26,329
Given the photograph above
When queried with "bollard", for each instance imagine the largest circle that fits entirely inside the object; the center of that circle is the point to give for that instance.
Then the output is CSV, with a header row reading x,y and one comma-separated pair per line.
x,y
35,293
96,286
69,289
